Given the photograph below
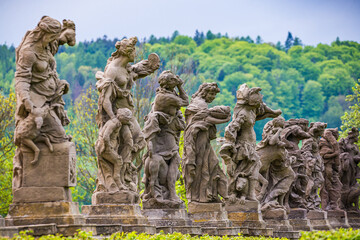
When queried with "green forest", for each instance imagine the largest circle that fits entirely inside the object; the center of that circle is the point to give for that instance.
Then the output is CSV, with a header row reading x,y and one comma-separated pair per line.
x,y
303,81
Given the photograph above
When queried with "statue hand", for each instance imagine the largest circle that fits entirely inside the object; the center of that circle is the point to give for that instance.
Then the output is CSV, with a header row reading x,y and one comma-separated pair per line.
x,y
29,106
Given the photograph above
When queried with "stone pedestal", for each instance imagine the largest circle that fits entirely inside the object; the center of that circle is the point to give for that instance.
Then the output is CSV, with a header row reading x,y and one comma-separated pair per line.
x,y
277,219
353,219
208,214
44,213
338,219
318,220
2,221
171,220
249,216
298,220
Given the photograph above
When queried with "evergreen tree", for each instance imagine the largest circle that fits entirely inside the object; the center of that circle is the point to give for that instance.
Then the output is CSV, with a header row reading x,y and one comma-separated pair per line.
x,y
174,35
259,40
199,37
210,35
289,41
297,42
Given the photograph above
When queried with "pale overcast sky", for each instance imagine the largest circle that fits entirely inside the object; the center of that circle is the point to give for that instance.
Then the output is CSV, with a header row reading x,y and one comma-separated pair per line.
x,y
313,21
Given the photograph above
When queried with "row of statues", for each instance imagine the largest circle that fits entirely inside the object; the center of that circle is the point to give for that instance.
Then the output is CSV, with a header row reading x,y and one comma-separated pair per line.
x,y
284,170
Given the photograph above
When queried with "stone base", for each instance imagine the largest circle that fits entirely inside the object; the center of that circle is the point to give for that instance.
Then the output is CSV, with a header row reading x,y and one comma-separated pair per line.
x,y
291,235
245,215
298,220
2,222
353,219
129,214
60,213
318,220
192,230
37,230
266,232
122,197
208,215
221,231
42,194
154,203
277,219
167,217
337,219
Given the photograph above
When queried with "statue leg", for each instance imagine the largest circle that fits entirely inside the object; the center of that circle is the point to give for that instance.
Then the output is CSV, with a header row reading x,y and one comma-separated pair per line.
x,y
153,170
172,176
29,143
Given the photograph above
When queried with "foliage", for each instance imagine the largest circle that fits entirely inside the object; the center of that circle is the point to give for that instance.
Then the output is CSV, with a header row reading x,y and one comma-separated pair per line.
x,y
351,118
7,149
344,234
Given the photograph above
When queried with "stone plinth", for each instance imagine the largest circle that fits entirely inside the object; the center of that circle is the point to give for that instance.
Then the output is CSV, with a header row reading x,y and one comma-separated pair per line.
x,y
208,214
353,219
128,215
337,219
176,220
2,221
154,203
122,197
44,213
249,216
277,219
37,230
298,220
221,231
318,220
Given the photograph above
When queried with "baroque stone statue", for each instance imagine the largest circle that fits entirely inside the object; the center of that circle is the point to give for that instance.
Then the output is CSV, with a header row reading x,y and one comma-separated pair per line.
x,y
296,130
276,174
350,172
204,179
114,86
330,152
162,134
238,151
314,165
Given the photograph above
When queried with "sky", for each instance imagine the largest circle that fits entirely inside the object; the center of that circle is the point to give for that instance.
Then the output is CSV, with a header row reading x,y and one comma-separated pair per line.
x,y
313,21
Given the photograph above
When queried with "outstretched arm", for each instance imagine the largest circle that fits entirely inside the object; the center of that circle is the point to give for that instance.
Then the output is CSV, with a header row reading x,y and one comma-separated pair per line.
x,y
145,67
266,112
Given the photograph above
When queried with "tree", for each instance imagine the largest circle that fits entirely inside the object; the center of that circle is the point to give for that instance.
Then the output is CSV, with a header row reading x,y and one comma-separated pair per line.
x,y
351,117
259,40
174,35
210,35
312,99
199,38
7,149
289,41
297,42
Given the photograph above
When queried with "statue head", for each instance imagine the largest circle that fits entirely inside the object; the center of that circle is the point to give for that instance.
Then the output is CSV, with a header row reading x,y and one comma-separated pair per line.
x,y
126,47
207,91
241,183
169,80
249,96
67,34
38,115
317,129
334,132
353,135
279,122
124,115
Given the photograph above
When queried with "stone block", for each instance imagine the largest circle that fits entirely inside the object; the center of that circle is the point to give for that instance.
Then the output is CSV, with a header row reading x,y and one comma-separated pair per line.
x,y
96,229
208,214
279,214
318,220
2,222
249,206
123,197
139,229
337,219
53,169
113,214
167,217
221,231
291,235
298,220
36,230
192,230
266,232
44,213
195,207
154,203
41,194
353,219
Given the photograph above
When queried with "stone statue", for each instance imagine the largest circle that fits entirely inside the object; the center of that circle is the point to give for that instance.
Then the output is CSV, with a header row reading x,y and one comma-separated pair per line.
x,y
114,86
350,172
162,130
67,36
204,179
40,114
276,175
330,152
314,165
238,151
296,130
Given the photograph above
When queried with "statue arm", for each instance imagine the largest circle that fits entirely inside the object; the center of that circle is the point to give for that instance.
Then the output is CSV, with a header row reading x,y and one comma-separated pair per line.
x,y
266,112
184,97
145,67
23,77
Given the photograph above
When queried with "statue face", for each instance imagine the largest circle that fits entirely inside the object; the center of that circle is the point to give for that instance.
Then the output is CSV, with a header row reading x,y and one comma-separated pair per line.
x,y
255,99
241,183
210,96
49,37
68,36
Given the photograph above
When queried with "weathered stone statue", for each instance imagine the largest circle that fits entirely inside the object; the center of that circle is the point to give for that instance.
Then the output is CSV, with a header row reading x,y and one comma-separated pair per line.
x,y
162,134
114,85
330,152
294,131
238,150
276,175
350,172
314,165
45,159
67,36
204,179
